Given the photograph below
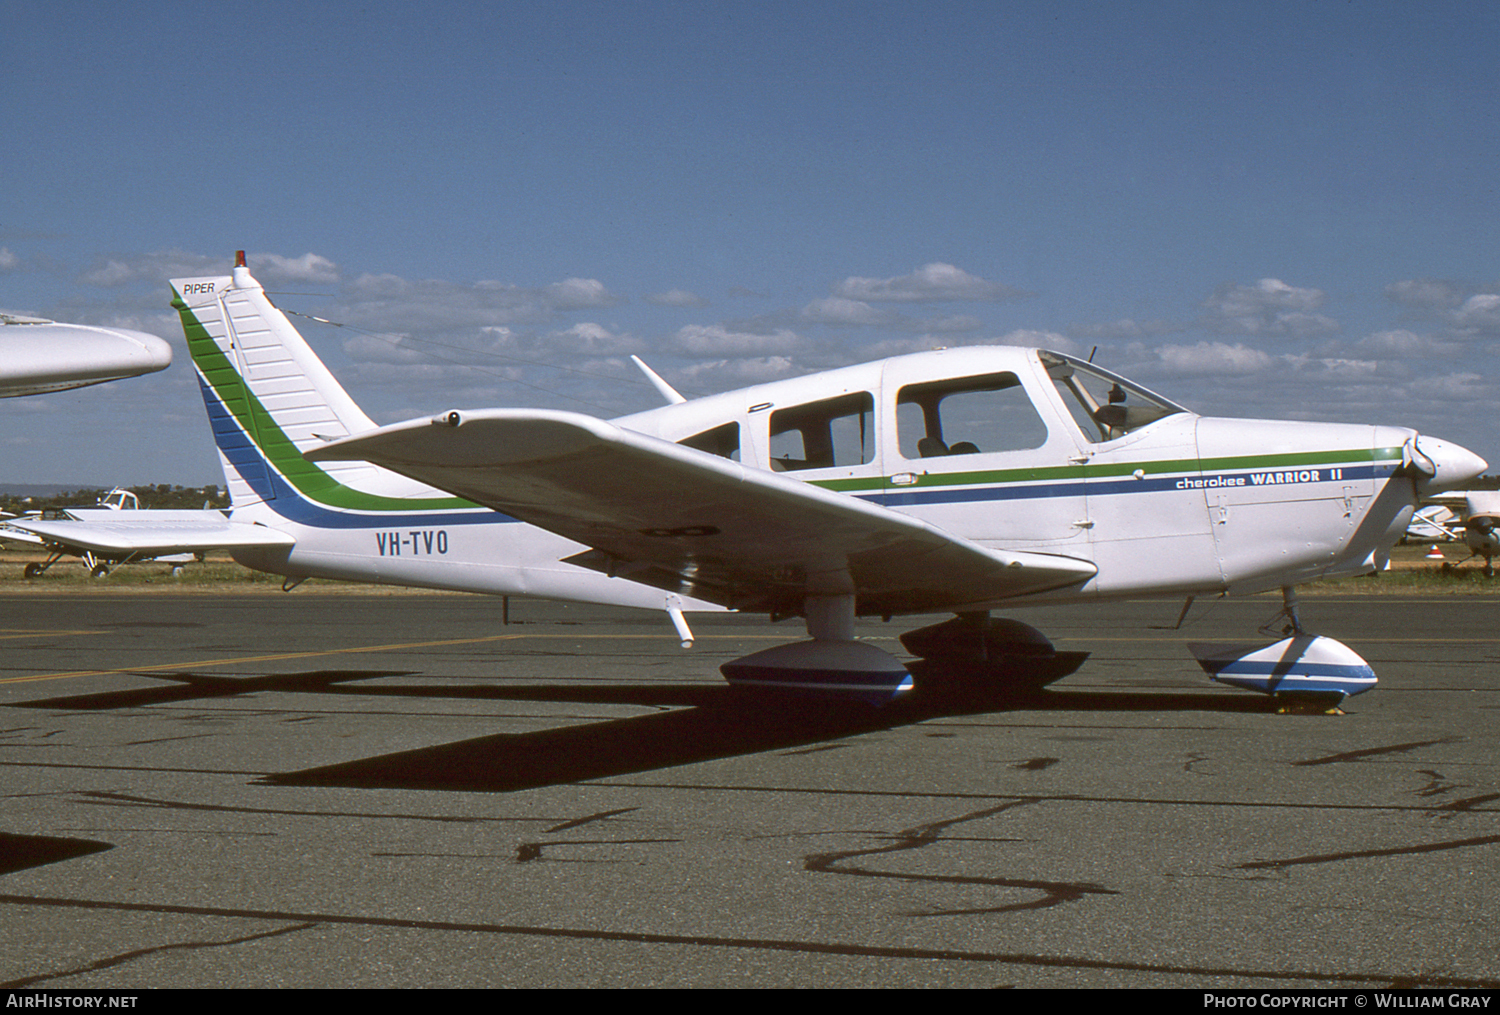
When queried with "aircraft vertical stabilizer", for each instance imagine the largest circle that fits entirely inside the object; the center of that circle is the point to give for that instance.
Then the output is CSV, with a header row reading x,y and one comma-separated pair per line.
x,y
269,396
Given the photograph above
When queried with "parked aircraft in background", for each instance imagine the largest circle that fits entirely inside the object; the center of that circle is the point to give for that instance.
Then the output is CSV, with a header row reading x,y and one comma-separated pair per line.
x,y
116,531
959,481
1431,524
1472,517
38,356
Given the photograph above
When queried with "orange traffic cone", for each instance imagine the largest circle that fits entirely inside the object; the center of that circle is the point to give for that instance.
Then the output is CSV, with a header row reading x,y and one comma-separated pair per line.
x,y
1435,553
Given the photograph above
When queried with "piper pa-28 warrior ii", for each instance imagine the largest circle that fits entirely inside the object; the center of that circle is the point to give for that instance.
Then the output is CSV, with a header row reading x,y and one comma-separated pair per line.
x,y
959,481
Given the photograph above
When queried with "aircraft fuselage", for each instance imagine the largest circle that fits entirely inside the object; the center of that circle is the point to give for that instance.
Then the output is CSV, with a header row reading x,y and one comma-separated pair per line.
x,y
1006,447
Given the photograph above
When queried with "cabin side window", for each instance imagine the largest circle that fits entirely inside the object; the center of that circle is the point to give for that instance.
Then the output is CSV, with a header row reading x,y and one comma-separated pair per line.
x,y
824,435
723,441
967,416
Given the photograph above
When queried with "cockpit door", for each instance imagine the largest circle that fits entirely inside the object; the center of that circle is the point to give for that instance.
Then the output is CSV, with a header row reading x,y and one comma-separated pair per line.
x,y
973,449
1148,508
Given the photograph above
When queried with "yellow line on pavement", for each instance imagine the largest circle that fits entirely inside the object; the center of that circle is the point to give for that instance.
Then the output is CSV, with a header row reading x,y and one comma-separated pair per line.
x,y
394,647
204,663
17,632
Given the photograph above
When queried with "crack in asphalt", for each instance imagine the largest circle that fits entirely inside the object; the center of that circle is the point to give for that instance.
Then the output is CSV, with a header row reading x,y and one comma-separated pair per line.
x,y
1428,847
140,953
1054,893
1425,979
1369,752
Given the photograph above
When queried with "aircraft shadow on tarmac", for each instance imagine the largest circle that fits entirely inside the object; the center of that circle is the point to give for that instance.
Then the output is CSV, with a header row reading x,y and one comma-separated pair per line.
x,y
699,722
18,852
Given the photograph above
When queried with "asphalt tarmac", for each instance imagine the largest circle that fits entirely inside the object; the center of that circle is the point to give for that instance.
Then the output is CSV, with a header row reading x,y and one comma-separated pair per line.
x,y
345,790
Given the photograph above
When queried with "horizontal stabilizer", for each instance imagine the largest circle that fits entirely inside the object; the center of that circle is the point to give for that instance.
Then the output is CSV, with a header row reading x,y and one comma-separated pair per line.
x,y
697,524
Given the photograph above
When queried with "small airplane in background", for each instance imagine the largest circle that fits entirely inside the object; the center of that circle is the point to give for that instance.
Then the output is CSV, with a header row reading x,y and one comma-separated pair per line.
x,y
117,530
1432,523
959,481
38,355
1473,518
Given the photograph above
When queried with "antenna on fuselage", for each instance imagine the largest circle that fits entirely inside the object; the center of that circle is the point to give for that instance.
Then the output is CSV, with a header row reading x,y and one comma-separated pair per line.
x,y
667,391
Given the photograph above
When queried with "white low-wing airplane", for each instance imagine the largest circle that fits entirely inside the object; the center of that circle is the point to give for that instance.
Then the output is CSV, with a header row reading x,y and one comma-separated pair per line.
x,y
957,481
37,355
108,537
1472,517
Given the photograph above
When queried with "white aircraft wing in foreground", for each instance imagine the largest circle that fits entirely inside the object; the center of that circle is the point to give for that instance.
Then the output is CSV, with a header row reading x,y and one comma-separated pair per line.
x,y
38,356
696,524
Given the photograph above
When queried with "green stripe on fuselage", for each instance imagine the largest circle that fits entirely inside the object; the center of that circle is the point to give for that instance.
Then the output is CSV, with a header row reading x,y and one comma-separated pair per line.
x,y
993,477
256,420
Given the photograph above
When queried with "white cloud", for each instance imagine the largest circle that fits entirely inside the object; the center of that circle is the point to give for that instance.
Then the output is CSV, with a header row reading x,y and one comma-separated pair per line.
x,y
381,349
111,273
1214,358
307,268
1399,343
389,302
588,337
1268,293
1336,368
578,293
1125,327
8,260
1030,337
946,325
1303,325
1270,306
725,374
844,313
676,298
1453,387
1425,292
1480,312
717,340
929,283
903,346
158,267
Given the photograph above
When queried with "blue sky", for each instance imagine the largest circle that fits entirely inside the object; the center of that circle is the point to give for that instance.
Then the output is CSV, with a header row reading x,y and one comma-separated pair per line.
x,y
1267,209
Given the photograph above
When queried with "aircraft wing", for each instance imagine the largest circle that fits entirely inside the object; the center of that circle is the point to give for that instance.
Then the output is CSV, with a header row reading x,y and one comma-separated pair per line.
x,y
694,523
9,533
149,537
38,356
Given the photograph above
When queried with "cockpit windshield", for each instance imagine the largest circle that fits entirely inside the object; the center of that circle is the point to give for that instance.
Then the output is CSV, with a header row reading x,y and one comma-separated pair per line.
x,y
1105,405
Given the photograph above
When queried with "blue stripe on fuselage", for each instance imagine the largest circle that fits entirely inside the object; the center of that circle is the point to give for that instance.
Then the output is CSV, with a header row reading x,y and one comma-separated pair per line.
x,y
288,502
1250,479
281,497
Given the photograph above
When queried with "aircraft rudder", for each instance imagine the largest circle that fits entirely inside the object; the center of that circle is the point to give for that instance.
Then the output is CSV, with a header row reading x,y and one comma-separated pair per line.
x,y
268,395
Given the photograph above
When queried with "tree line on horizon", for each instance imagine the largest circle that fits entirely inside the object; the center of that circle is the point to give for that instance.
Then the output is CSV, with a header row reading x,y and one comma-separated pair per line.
x,y
159,495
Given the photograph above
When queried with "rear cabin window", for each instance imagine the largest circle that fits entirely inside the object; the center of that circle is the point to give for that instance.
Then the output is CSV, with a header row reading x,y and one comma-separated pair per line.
x,y
723,441
967,416
824,435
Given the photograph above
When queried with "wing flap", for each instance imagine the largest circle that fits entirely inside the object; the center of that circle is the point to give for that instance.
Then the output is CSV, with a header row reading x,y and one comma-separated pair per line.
x,y
694,523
